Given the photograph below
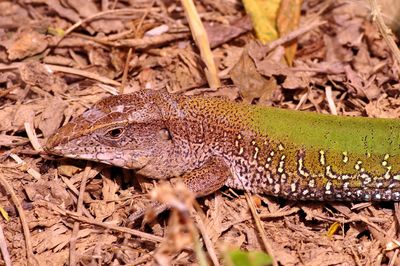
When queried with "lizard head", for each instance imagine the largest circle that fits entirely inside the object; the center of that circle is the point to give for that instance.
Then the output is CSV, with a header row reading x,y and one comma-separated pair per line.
x,y
126,130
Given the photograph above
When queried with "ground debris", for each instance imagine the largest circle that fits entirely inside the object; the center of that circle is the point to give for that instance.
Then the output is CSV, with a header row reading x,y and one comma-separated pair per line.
x,y
49,75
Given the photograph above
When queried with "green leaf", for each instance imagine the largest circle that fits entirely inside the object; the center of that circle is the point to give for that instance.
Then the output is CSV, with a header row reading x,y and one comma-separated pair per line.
x,y
247,258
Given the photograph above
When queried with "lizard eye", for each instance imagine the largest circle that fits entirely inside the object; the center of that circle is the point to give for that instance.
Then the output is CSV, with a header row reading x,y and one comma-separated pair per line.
x,y
115,133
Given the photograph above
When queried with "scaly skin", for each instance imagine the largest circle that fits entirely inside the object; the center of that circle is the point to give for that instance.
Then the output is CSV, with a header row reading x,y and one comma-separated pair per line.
x,y
211,142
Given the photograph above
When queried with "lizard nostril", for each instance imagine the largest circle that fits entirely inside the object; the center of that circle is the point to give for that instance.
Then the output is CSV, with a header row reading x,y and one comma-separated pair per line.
x,y
165,134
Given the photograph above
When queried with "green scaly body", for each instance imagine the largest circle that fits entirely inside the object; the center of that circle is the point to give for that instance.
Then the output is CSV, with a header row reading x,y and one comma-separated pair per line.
x,y
303,155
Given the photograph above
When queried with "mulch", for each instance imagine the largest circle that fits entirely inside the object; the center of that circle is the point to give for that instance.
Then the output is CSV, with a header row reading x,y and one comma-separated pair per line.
x,y
342,67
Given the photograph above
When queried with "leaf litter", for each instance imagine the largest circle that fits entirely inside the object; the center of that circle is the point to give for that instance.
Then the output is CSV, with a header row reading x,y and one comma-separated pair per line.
x,y
343,62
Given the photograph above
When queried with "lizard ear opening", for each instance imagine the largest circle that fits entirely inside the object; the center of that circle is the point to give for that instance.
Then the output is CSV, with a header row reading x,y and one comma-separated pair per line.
x,y
115,132
165,134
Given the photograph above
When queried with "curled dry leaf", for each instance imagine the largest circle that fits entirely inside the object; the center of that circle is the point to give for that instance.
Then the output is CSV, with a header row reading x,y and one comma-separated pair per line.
x,y
106,207
250,82
52,116
48,190
219,33
26,43
12,118
88,8
12,141
186,71
271,66
37,74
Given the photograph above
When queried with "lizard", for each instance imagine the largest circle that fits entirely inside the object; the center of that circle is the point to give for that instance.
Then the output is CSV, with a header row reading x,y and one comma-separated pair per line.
x,y
212,142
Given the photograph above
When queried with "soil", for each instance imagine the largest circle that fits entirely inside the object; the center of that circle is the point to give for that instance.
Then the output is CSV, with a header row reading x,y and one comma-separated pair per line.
x,y
57,58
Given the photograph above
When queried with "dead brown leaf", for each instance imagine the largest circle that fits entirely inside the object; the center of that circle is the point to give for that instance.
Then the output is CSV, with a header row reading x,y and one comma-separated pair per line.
x,y
27,42
36,74
250,82
51,117
219,33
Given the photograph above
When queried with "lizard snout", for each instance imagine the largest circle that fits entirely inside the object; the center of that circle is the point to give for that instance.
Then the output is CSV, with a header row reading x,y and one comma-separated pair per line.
x,y
60,137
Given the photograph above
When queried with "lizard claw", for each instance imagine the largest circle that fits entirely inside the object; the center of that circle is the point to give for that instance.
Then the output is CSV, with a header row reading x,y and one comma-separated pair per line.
x,y
148,213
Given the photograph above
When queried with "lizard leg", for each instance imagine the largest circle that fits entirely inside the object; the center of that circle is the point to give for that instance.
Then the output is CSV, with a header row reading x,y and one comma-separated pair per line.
x,y
201,181
208,178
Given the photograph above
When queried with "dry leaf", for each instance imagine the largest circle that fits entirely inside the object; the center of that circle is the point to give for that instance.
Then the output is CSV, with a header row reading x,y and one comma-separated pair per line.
x,y
52,116
26,43
287,21
12,141
37,74
250,82
219,33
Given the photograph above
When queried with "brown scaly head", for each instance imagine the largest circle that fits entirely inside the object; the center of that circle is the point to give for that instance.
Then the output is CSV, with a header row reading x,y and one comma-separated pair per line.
x,y
131,131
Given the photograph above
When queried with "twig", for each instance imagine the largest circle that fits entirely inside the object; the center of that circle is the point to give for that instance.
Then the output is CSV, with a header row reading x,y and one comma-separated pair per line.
x,y
201,257
99,15
3,248
32,137
200,37
329,98
28,242
147,41
83,219
83,73
384,30
35,174
279,213
294,34
69,70
126,71
394,258
204,234
75,229
260,228
129,55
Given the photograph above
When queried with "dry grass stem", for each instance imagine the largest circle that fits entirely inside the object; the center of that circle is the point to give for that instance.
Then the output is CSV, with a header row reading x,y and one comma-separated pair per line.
x,y
384,30
16,201
200,37
260,228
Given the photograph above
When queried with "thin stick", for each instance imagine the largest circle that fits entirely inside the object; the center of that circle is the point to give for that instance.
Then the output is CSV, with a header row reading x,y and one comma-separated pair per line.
x,y
69,70
96,16
83,219
75,229
3,248
384,30
329,98
83,73
126,71
130,51
294,34
35,174
30,131
260,228
206,238
199,35
28,242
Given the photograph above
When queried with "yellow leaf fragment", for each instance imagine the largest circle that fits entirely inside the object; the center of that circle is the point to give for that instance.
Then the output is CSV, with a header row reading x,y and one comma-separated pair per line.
x,y
287,21
4,214
333,229
263,14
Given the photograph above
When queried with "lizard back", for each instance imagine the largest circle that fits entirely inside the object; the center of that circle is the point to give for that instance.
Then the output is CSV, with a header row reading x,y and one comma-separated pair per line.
x,y
300,155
